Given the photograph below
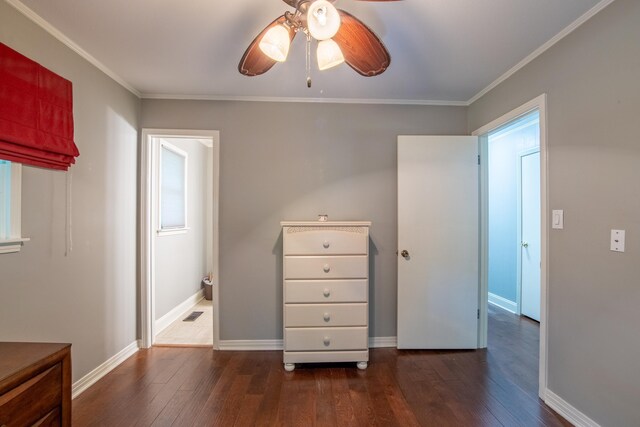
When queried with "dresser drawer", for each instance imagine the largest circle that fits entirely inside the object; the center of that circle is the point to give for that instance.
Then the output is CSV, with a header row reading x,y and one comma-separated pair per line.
x,y
305,315
328,339
301,291
325,267
52,419
325,241
40,395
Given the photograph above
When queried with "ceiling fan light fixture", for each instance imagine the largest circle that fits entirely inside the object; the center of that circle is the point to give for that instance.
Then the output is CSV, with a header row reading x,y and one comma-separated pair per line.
x,y
323,20
275,43
329,54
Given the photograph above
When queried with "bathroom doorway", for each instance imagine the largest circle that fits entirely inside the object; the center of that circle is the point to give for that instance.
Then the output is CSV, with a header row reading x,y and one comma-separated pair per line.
x,y
180,238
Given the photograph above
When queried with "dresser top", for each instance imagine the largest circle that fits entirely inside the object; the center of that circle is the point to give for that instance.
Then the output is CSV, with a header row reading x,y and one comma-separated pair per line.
x,y
325,223
16,356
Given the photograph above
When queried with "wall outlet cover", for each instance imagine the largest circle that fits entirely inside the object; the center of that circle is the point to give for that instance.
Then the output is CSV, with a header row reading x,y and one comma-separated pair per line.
x,y
617,240
557,219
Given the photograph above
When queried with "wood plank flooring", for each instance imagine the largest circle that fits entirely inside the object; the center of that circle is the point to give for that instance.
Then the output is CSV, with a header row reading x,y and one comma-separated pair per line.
x,y
200,387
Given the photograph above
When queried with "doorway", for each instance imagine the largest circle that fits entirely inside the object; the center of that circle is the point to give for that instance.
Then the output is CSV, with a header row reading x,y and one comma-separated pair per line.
x,y
513,238
179,227
514,216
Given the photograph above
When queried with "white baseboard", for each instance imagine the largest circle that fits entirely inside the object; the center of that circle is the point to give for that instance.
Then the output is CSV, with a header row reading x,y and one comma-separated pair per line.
x,y
570,413
503,303
177,312
92,377
258,345
383,342
250,345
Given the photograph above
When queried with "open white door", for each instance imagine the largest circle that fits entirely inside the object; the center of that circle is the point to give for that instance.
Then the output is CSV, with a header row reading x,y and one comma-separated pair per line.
x,y
438,242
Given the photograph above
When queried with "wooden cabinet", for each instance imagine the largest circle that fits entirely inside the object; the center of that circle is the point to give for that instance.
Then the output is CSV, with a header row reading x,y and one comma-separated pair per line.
x,y
35,384
326,292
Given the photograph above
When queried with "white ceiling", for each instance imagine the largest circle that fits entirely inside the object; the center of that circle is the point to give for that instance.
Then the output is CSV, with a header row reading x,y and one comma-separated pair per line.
x,y
441,50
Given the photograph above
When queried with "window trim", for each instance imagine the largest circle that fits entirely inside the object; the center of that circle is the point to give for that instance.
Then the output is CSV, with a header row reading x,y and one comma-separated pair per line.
x,y
15,241
169,231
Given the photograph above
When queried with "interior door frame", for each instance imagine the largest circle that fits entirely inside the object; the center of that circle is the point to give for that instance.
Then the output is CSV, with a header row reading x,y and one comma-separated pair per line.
x,y
148,215
520,155
539,103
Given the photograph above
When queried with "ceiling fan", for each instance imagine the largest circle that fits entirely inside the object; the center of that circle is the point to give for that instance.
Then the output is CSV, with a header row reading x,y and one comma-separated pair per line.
x,y
341,38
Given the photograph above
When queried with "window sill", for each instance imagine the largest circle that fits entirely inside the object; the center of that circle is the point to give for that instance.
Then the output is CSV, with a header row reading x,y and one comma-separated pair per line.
x,y
12,245
172,231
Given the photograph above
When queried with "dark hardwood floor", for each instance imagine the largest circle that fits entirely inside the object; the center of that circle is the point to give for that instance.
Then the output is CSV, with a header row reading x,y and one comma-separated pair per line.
x,y
199,387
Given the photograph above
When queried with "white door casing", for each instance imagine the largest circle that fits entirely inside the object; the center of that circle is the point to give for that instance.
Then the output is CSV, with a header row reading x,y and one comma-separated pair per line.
x,y
529,230
538,103
438,226
148,231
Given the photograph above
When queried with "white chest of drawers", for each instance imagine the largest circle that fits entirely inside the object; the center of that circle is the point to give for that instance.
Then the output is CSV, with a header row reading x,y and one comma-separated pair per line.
x,y
326,292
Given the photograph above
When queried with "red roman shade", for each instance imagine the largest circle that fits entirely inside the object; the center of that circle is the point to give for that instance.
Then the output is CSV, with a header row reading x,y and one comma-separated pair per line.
x,y
36,113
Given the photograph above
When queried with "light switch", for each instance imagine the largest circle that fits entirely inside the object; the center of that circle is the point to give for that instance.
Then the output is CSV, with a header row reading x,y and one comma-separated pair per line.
x,y
617,240
557,219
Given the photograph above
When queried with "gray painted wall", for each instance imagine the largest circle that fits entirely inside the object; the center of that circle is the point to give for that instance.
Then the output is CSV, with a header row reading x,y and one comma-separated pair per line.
x,y
181,258
592,78
87,298
288,161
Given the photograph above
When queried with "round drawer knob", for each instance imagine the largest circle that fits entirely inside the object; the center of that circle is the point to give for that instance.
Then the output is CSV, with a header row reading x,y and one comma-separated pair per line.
x,y
326,317
326,244
327,293
326,268
327,341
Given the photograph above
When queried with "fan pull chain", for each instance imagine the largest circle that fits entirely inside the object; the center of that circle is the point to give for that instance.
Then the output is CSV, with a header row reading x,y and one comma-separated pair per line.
x,y
308,60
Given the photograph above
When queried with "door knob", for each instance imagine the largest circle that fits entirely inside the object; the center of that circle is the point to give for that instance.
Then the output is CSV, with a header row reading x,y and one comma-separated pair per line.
x,y
525,245
405,253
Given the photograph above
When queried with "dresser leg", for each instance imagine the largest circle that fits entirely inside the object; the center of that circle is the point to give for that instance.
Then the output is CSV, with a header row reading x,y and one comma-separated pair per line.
x,y
289,367
362,365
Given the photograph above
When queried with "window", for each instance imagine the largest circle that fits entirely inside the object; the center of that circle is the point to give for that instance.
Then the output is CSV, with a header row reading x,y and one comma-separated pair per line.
x,y
173,188
10,193
5,203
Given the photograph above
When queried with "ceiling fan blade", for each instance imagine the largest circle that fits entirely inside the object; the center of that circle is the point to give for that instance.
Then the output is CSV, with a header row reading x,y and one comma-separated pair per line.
x,y
254,62
362,49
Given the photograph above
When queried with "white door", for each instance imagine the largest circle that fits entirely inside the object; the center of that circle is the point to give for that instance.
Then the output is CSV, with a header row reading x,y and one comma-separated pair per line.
x,y
438,242
530,229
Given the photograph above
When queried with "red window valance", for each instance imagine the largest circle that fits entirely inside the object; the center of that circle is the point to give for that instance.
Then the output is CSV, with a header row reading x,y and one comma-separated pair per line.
x,y
36,113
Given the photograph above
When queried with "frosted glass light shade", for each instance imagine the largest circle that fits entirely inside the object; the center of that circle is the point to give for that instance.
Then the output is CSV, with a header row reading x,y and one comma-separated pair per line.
x,y
329,54
275,43
323,20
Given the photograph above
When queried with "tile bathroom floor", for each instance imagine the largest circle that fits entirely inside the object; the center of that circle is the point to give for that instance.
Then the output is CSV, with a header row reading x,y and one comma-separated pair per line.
x,y
196,333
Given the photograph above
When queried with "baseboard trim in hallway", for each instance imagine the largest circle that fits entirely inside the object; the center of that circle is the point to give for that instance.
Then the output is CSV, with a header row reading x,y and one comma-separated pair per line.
x,y
177,312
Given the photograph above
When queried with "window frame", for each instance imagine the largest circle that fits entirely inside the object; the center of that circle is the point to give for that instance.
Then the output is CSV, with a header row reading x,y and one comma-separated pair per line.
x,y
167,231
13,243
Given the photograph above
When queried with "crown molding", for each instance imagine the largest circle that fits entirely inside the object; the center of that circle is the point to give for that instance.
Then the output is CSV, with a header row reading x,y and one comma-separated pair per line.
x,y
42,23
546,46
305,100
